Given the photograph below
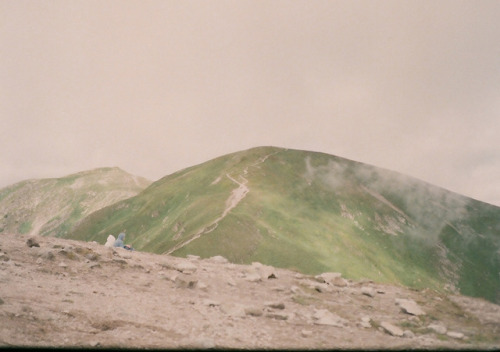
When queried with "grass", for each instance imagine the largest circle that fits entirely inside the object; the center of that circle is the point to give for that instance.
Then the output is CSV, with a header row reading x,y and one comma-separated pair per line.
x,y
294,217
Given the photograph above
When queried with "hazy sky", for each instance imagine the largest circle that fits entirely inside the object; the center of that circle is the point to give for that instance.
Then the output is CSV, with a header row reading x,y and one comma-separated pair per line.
x,y
157,86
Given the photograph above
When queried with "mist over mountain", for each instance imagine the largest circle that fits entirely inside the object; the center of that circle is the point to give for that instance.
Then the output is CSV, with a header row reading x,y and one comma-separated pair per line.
x,y
313,212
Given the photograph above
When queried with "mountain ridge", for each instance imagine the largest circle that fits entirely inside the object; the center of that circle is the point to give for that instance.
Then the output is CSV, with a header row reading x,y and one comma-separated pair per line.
x,y
53,206
314,212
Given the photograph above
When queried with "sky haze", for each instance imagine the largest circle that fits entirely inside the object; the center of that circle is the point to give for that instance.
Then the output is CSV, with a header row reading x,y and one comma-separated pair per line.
x,y
157,86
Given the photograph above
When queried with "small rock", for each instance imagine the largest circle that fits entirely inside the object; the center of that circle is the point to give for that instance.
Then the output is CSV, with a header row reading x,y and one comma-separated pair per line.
x,y
325,317
233,309
408,334
328,277
321,287
275,305
365,322
92,256
391,329
186,267
63,265
185,281
455,335
265,271
48,254
306,333
409,306
295,290
4,257
438,328
231,282
193,257
219,259
94,265
119,261
254,311
339,282
368,291
277,316
68,253
253,277
32,242
211,303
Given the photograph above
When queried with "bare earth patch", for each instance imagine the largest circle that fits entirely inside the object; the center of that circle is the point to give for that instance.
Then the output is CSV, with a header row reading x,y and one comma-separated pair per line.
x,y
69,293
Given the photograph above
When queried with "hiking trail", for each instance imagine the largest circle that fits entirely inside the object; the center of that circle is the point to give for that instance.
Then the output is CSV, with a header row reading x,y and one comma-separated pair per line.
x,y
237,195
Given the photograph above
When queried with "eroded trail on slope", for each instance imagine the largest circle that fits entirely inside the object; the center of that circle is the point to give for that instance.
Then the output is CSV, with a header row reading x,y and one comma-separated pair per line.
x,y
237,195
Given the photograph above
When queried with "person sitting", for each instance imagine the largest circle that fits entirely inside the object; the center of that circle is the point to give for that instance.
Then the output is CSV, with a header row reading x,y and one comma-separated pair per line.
x,y
110,241
120,242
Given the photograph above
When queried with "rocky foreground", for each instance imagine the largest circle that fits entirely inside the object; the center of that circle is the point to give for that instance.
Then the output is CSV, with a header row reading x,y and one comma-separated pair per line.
x,y
64,293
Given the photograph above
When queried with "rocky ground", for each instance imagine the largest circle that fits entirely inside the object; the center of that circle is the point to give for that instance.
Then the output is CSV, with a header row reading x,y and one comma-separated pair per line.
x,y
56,292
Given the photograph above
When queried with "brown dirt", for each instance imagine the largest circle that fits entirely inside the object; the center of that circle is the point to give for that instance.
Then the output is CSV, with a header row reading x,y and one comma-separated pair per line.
x,y
69,293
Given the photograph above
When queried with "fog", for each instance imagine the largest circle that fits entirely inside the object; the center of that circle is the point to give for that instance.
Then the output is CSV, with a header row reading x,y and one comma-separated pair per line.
x,y
157,86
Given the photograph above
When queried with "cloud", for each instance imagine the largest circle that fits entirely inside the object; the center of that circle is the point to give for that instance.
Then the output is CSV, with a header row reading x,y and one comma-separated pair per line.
x,y
157,86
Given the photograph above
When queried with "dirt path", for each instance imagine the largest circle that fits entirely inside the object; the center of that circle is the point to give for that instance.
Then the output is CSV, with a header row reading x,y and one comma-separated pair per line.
x,y
237,195
75,294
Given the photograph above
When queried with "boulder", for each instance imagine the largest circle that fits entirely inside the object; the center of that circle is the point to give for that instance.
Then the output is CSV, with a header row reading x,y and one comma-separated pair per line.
x,y
409,306
391,329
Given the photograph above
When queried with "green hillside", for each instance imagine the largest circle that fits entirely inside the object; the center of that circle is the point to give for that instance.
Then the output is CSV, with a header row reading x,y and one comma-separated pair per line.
x,y
52,207
314,212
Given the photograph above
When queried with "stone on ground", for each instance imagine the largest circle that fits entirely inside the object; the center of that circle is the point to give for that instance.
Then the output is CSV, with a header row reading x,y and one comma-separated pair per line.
x,y
409,306
391,329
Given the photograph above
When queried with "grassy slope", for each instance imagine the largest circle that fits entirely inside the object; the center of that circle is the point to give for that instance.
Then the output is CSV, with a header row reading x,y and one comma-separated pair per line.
x,y
315,212
51,207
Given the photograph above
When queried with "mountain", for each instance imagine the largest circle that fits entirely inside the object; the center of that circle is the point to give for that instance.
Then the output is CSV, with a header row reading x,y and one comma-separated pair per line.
x,y
314,212
51,207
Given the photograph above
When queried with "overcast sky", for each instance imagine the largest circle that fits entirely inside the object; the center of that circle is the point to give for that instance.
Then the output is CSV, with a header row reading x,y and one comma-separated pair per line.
x,y
157,86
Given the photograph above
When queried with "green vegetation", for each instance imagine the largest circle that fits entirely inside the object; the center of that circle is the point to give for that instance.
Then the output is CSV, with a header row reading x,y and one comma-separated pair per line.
x,y
57,205
25,227
310,212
